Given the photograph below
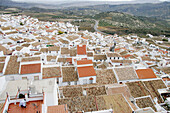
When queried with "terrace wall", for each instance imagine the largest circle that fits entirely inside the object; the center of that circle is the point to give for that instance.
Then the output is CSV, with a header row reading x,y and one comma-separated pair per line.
x,y
2,81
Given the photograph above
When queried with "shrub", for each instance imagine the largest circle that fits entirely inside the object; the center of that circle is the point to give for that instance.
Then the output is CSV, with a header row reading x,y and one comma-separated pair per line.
x,y
21,23
165,40
60,32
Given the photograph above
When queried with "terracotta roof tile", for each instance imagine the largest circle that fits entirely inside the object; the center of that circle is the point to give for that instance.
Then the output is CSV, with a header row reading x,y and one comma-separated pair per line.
x,y
145,73
83,62
84,37
137,89
113,55
116,102
30,68
29,59
81,50
164,52
1,67
86,71
153,86
166,70
73,52
70,92
105,76
85,103
51,72
5,50
34,50
145,102
122,61
44,50
100,57
121,89
63,41
126,73
72,37
1,107
90,54
64,60
54,48
69,60
2,59
69,74
18,48
95,91
146,58
49,57
12,66
126,56
49,31
123,52
57,109
65,51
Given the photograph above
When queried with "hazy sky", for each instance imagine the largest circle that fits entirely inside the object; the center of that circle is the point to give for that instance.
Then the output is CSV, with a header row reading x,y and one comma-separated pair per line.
x,y
73,0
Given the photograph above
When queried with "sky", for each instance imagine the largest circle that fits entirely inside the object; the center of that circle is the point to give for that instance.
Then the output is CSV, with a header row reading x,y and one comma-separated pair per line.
x,y
38,1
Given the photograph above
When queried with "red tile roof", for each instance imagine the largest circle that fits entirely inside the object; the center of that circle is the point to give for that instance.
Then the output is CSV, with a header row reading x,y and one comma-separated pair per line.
x,y
69,60
166,79
126,56
34,50
84,38
149,63
31,68
117,49
145,73
163,51
49,31
57,109
83,62
46,26
81,50
86,71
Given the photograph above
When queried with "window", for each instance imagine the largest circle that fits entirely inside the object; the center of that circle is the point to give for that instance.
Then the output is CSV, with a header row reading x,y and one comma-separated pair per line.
x,y
24,78
91,81
75,83
57,80
69,83
84,81
12,78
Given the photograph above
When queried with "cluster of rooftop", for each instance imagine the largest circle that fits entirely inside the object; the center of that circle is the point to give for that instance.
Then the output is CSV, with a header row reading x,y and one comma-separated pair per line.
x,y
59,69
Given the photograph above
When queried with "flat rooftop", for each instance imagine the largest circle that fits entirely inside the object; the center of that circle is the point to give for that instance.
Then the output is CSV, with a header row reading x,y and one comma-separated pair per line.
x,y
32,107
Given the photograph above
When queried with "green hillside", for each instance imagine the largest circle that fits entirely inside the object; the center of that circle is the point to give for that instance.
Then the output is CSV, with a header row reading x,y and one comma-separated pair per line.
x,y
125,23
159,10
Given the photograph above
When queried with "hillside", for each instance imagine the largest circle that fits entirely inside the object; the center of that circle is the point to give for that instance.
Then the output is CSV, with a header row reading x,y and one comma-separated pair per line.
x,y
111,22
159,10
